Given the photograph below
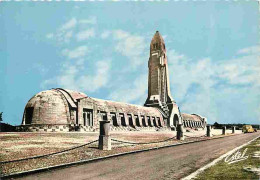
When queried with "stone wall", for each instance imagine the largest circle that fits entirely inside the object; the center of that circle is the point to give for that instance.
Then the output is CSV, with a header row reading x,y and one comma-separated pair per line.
x,y
119,114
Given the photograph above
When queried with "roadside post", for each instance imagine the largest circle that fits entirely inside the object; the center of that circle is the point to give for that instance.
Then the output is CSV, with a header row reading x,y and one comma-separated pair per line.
x,y
209,134
180,132
104,141
224,130
233,129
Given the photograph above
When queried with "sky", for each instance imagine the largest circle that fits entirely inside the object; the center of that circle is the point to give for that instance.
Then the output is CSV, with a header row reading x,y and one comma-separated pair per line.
x,y
102,49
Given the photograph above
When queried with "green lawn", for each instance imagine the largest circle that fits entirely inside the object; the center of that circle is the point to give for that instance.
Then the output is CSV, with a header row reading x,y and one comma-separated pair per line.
x,y
224,171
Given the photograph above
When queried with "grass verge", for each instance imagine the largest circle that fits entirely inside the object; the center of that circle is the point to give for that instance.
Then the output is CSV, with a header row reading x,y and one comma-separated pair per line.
x,y
244,169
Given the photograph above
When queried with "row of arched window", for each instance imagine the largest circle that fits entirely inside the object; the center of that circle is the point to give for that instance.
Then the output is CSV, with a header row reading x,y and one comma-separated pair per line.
x,y
124,119
190,123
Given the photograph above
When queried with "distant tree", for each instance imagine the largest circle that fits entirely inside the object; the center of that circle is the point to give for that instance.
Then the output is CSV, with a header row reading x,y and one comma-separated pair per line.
x,y
217,125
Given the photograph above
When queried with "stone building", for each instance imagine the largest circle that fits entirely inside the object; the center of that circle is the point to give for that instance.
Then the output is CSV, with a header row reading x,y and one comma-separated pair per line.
x,y
65,110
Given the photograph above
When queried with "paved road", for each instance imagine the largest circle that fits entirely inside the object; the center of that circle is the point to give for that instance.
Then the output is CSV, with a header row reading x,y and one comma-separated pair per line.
x,y
167,163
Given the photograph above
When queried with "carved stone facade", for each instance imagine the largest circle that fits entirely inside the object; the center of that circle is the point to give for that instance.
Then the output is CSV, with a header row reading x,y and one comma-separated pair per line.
x,y
65,110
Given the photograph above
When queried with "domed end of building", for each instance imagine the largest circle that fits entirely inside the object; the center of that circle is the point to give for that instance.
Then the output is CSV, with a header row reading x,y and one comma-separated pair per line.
x,y
55,107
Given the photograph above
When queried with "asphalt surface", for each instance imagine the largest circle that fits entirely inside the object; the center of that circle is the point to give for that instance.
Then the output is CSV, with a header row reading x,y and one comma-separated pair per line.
x,y
167,163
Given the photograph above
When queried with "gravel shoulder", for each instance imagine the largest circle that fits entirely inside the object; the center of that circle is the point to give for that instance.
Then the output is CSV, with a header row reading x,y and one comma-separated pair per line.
x,y
23,145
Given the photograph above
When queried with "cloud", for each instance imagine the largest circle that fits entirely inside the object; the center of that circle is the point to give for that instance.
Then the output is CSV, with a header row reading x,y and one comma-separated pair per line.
x,y
49,36
39,67
216,89
68,25
68,76
249,50
238,71
241,71
131,46
105,34
66,31
71,73
71,77
68,35
91,83
75,53
83,35
65,79
134,92
90,20
120,34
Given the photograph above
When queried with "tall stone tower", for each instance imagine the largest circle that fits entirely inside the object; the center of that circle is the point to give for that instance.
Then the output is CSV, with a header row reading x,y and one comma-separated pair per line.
x,y
159,94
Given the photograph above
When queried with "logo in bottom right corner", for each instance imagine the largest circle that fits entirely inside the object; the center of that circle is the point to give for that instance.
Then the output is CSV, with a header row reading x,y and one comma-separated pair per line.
x,y
236,157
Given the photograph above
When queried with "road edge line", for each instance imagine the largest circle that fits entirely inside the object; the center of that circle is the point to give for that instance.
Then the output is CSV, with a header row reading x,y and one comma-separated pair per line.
x,y
200,170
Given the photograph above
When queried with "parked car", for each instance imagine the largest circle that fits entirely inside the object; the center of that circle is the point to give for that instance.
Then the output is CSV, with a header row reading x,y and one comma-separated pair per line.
x,y
248,129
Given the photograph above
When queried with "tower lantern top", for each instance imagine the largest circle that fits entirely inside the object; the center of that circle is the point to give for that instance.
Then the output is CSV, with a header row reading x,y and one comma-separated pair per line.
x,y
157,42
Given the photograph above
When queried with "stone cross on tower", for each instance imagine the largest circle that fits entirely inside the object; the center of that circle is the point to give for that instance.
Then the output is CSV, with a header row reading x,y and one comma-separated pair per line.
x,y
159,94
